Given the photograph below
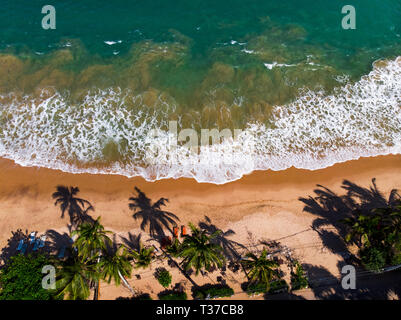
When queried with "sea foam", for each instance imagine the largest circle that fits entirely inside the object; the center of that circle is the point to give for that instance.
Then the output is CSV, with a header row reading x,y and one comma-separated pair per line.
x,y
316,130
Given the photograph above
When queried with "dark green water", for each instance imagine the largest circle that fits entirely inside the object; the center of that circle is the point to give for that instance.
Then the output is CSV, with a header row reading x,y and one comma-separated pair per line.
x,y
111,66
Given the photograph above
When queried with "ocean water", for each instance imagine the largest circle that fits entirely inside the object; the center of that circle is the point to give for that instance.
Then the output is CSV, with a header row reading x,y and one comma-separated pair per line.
x,y
117,83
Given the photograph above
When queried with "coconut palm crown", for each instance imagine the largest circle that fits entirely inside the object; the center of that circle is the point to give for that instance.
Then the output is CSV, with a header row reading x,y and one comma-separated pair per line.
x,y
198,250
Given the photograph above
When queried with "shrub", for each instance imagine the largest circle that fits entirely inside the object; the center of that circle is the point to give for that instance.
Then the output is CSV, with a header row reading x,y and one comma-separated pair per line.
x,y
143,257
213,291
21,278
255,288
373,259
174,249
396,259
298,278
395,254
164,277
278,286
172,295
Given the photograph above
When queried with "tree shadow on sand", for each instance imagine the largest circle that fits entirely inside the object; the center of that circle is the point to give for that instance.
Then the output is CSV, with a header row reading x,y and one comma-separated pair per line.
x,y
57,242
74,206
152,214
132,241
12,244
326,286
54,242
230,247
330,208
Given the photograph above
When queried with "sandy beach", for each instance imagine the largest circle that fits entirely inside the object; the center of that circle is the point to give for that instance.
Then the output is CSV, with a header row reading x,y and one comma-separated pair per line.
x,y
260,206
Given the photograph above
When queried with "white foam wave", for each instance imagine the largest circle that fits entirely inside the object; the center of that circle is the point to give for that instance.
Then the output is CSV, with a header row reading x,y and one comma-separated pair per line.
x,y
317,130
270,66
110,43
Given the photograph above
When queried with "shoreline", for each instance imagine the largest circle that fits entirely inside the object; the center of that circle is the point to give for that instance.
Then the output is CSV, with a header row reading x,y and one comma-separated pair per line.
x,y
21,187
264,205
287,176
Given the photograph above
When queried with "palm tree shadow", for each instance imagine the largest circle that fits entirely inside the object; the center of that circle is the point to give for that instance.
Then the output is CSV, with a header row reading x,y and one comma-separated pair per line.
x,y
368,287
331,208
132,241
74,206
230,247
152,214
370,198
323,283
56,240
12,243
112,246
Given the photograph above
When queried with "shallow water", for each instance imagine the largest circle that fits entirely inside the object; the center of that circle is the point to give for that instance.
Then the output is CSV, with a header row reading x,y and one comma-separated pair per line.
x,y
304,92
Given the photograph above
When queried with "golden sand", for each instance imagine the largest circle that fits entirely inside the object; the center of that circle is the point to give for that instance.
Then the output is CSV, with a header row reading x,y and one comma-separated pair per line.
x,y
262,205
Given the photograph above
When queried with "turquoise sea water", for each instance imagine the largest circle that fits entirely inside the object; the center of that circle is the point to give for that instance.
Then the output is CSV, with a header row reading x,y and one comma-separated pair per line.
x,y
304,92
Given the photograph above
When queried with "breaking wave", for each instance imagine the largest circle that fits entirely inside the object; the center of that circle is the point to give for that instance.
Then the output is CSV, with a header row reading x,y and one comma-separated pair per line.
x,y
109,132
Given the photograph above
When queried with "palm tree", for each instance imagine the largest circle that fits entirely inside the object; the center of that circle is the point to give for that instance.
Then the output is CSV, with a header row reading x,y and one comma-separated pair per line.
x,y
261,269
366,230
66,198
394,236
388,230
222,239
391,215
199,252
152,214
74,277
143,257
92,240
115,265
174,249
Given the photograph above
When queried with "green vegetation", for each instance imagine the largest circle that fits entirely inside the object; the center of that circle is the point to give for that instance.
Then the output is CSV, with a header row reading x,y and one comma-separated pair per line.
x,y
164,277
143,257
95,258
298,277
74,277
373,259
115,265
255,288
174,249
92,240
198,251
21,278
213,291
278,286
378,236
172,295
261,269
